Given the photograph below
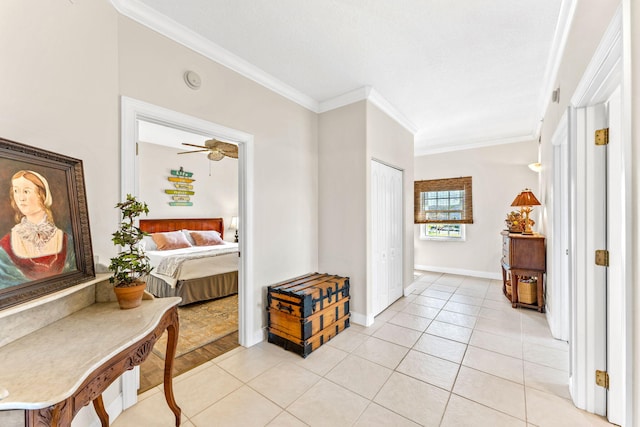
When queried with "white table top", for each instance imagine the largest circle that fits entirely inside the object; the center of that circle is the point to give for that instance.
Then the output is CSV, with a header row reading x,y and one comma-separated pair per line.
x,y
48,365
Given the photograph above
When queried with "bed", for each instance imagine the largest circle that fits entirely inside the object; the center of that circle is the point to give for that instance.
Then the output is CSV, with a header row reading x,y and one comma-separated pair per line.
x,y
194,273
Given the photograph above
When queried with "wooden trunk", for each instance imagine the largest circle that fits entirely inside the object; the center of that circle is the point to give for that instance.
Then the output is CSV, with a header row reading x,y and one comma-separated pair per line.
x,y
305,347
305,312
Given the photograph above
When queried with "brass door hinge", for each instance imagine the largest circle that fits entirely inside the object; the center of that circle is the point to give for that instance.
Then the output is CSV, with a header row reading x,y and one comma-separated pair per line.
x,y
602,257
602,379
602,136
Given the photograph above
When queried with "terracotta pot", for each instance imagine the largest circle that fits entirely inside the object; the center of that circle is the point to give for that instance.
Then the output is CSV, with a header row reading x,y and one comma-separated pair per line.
x,y
130,296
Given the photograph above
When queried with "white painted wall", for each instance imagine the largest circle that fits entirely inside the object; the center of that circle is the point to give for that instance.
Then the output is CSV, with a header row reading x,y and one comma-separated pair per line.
x,y
215,185
498,174
349,137
342,214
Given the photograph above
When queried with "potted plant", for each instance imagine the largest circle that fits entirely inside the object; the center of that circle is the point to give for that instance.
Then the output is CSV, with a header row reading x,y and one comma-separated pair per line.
x,y
131,266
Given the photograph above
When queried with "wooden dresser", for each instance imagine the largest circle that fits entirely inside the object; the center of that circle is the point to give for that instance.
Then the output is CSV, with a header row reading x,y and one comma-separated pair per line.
x,y
523,255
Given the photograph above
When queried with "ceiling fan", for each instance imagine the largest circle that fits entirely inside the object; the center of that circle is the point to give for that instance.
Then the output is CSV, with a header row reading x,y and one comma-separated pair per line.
x,y
217,149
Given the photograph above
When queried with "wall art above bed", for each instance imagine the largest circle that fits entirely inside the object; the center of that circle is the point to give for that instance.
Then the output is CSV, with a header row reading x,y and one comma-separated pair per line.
x,y
182,183
45,241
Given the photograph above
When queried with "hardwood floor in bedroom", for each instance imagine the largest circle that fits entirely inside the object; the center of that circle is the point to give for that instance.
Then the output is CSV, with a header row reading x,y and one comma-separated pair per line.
x,y
152,369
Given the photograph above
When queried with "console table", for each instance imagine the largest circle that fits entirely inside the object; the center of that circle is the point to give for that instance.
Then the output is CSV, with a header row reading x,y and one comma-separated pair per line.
x,y
55,371
523,255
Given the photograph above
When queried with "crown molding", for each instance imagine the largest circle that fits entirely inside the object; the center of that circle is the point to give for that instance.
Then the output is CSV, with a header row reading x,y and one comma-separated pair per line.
x,y
379,101
348,98
373,96
447,146
177,32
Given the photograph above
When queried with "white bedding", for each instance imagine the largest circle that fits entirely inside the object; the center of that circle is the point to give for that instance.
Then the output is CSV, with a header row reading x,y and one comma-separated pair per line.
x,y
194,262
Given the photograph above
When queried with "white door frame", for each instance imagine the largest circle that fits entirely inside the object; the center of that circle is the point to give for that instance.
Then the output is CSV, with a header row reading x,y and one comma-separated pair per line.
x,y
601,79
559,285
133,110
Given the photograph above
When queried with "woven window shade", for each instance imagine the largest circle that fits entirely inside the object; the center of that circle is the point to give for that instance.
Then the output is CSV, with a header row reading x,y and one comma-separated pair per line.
x,y
448,184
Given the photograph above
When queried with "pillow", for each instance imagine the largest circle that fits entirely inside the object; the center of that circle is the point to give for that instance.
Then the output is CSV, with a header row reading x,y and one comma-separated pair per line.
x,y
188,236
206,238
170,240
147,244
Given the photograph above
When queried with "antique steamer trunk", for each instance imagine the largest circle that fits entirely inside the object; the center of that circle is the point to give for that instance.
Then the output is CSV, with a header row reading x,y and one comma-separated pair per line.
x,y
305,312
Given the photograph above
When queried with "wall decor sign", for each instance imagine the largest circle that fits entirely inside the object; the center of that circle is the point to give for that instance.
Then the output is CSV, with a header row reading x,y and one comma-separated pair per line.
x,y
45,241
182,187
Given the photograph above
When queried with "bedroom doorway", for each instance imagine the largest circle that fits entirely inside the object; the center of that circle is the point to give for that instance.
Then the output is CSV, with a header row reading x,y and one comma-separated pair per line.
x,y
133,112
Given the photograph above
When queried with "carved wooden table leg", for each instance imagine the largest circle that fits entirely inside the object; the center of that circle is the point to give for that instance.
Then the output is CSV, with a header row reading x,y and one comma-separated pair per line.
x,y
58,415
98,405
172,343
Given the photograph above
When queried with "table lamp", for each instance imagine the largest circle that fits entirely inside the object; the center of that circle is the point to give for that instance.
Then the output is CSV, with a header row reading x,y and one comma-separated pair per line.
x,y
525,200
234,226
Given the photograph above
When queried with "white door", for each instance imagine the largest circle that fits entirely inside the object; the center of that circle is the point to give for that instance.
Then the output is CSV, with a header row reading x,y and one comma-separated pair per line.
x,y
588,326
386,232
616,247
598,325
558,285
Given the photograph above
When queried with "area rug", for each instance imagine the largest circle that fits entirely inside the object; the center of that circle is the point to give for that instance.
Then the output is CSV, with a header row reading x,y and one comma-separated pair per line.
x,y
202,323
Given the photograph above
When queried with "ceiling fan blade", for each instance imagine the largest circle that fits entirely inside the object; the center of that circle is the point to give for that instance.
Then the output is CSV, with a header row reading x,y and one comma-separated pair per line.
x,y
195,151
230,150
193,145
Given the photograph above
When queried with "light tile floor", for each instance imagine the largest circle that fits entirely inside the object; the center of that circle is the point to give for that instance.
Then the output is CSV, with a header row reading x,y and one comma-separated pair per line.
x,y
453,353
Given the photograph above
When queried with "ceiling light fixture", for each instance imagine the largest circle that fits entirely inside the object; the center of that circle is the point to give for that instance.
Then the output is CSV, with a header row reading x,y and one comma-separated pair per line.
x,y
536,167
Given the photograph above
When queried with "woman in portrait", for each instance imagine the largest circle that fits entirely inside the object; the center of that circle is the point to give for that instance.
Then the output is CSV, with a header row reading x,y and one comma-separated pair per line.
x,y
34,248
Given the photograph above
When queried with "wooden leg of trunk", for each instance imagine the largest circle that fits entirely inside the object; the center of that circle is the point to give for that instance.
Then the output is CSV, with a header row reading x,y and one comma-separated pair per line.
x,y
172,343
98,405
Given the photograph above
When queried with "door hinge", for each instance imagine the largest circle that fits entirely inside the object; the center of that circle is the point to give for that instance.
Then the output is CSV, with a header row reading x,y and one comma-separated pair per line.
x,y
602,257
602,379
602,136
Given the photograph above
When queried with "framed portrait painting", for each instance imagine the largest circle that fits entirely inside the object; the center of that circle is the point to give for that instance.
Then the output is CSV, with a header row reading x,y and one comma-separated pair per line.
x,y
45,241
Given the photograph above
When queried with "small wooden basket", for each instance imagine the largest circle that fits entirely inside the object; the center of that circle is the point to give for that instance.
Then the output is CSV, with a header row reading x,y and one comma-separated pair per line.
x,y
528,291
508,286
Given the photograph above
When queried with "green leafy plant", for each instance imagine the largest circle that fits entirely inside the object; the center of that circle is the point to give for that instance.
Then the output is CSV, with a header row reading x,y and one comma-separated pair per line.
x,y
131,264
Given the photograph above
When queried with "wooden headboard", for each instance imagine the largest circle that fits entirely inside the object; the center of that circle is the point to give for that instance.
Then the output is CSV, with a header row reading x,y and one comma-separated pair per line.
x,y
175,224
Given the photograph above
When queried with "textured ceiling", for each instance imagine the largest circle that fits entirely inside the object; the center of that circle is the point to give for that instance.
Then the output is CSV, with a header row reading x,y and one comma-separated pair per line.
x,y
456,73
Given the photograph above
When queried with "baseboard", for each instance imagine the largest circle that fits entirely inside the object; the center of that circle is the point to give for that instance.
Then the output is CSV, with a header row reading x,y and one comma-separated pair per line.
x,y
361,319
473,273
409,289
258,336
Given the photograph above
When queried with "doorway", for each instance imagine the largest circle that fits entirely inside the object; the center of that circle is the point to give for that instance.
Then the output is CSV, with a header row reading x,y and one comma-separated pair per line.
x,y
133,110
209,310
387,226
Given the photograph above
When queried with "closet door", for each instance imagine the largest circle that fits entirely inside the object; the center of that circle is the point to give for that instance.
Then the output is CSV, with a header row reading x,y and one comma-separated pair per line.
x,y
386,222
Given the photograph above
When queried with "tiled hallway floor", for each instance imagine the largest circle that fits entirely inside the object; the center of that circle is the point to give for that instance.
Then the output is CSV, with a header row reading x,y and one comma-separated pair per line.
x,y
453,353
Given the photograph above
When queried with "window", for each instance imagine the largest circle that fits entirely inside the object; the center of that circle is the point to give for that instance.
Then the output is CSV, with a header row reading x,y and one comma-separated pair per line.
x,y
443,202
442,232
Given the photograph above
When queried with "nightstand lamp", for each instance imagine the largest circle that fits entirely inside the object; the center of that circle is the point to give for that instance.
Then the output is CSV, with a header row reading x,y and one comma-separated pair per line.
x,y
234,226
525,200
